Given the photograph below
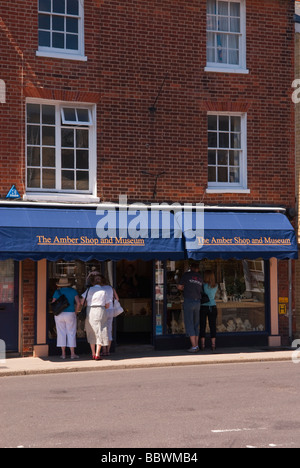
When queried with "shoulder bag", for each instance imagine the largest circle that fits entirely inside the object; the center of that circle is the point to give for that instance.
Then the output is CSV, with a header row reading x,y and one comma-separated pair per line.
x,y
60,304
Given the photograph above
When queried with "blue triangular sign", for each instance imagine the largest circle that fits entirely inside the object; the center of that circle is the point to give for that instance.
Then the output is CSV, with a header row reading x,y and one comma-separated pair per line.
x,y
13,193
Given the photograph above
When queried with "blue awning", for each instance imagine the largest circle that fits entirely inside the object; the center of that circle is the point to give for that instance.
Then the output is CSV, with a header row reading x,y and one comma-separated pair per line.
x,y
69,234
87,234
239,235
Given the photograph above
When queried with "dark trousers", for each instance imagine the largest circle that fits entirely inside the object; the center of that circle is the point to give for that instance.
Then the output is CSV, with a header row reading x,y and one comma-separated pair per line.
x,y
210,313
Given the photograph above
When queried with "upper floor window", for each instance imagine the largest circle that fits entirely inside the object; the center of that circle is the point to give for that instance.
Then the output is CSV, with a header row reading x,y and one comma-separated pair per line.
x,y
227,162
61,28
61,148
226,35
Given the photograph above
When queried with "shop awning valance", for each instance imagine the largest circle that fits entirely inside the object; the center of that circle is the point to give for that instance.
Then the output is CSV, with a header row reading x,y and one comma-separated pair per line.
x,y
82,234
239,235
86,234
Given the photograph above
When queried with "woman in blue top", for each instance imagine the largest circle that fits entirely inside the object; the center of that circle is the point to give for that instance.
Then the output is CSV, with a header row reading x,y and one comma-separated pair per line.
x,y
209,309
66,322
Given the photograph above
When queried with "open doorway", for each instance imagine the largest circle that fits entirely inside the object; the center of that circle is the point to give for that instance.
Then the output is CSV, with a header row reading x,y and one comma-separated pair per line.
x,y
135,289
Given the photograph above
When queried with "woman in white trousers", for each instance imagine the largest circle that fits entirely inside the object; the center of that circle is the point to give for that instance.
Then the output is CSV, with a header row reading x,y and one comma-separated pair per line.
x,y
96,320
66,322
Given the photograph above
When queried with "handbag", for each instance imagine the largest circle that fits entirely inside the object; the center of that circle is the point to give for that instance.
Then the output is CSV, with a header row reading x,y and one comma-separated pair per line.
x,y
83,313
117,309
204,298
59,305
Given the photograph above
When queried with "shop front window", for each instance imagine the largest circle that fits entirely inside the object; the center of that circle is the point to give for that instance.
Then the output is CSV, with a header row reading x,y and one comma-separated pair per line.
x,y
240,298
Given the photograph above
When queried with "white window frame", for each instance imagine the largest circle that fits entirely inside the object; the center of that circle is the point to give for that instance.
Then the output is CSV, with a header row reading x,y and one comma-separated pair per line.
x,y
58,194
229,187
67,53
242,66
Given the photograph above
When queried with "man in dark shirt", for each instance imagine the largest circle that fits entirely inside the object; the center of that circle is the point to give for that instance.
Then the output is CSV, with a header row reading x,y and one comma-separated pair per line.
x,y
192,286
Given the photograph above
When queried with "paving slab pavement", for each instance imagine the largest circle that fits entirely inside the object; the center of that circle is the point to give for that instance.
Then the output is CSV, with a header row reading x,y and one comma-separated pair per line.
x,y
140,358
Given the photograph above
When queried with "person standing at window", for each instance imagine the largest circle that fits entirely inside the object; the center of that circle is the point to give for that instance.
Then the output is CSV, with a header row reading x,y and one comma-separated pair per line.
x,y
209,310
192,285
66,322
96,326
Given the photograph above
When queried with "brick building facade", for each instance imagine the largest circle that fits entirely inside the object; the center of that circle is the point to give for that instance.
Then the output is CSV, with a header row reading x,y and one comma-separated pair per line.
x,y
149,75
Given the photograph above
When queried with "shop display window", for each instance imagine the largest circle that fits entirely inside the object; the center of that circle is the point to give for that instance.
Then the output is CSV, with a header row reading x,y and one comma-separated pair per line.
x,y
240,298
7,279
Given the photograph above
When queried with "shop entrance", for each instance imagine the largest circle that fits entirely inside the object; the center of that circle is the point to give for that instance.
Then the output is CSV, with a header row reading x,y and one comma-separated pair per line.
x,y
9,314
134,285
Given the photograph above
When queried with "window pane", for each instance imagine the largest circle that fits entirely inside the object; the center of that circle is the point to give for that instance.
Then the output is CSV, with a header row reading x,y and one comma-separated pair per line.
x,y
234,158
236,140
67,180
72,7
233,57
33,113
211,55
212,174
58,23
82,180
82,138
67,137
212,122
82,159
59,6
234,175
235,124
223,24
44,39
212,140
83,115
212,157
45,5
224,123
33,178
33,135
70,114
222,158
48,157
72,25
223,174
49,178
44,22
33,156
48,136
48,115
211,23
58,41
235,9
72,42
224,140
235,25
212,7
223,8
67,157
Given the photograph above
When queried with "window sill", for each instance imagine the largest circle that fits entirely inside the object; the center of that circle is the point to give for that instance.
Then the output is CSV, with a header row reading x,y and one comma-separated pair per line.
x,y
60,198
62,56
241,71
227,190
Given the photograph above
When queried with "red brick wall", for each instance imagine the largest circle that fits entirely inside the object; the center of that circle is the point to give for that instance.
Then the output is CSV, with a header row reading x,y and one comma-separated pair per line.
x,y
130,47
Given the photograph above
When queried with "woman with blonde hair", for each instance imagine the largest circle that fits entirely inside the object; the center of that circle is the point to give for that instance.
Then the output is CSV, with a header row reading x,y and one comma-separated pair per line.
x,y
209,310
